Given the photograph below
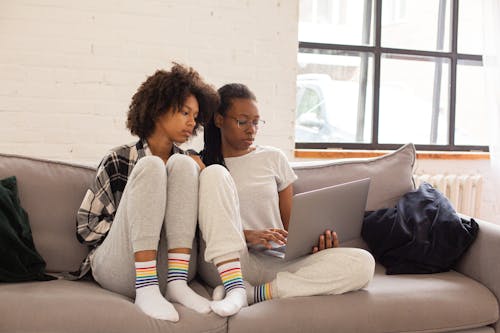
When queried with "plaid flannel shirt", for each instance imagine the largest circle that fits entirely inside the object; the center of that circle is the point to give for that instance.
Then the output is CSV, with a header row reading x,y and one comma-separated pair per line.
x,y
98,209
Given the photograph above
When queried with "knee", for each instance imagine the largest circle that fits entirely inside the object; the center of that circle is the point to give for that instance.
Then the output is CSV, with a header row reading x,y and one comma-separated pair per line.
x,y
358,263
214,174
149,166
364,266
182,163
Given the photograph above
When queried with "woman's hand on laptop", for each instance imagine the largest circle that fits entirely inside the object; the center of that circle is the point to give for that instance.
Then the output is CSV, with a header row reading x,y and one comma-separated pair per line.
x,y
326,241
264,237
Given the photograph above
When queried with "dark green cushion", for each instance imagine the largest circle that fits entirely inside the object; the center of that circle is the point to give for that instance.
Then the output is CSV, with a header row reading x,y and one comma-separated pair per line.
x,y
19,260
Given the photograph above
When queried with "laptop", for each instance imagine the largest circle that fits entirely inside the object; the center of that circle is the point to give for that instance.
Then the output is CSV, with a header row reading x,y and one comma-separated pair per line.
x,y
339,208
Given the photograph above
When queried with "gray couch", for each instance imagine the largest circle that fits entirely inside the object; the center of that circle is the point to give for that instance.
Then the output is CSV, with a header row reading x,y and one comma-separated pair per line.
x,y
462,300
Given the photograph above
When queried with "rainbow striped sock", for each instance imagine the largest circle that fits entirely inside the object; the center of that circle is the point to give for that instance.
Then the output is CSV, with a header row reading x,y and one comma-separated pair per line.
x,y
145,274
262,292
178,265
230,274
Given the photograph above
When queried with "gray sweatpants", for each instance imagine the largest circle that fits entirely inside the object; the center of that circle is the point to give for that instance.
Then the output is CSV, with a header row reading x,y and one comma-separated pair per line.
x,y
331,271
158,211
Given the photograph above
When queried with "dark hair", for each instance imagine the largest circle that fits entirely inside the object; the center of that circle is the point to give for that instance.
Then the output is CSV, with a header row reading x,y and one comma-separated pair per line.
x,y
165,90
212,152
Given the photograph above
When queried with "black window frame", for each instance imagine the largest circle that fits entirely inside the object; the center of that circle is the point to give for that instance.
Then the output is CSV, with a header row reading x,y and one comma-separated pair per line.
x,y
453,56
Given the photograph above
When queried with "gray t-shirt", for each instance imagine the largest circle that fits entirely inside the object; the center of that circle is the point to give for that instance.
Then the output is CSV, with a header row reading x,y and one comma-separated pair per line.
x,y
259,176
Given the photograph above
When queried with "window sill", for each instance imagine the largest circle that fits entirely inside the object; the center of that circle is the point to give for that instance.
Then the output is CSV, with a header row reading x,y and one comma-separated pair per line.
x,y
423,155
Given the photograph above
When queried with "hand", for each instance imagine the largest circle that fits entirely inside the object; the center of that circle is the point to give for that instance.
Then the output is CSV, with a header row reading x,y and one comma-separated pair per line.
x,y
263,237
198,161
326,241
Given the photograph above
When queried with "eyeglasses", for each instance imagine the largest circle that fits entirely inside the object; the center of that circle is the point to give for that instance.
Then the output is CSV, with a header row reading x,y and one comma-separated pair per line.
x,y
246,124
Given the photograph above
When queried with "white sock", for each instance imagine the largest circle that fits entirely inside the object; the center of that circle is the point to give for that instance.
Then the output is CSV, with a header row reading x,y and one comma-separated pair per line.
x,y
147,293
261,292
177,287
231,304
236,296
219,292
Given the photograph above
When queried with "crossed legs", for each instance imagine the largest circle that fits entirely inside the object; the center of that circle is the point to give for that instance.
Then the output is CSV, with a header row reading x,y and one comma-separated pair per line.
x,y
331,271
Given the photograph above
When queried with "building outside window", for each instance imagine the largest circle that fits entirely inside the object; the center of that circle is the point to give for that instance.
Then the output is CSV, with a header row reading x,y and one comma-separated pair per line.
x,y
375,74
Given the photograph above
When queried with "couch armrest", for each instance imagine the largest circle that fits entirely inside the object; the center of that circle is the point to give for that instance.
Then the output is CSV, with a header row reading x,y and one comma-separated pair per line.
x,y
482,260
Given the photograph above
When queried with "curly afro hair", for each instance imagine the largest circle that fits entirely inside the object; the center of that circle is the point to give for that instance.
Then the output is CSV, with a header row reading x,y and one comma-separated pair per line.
x,y
166,91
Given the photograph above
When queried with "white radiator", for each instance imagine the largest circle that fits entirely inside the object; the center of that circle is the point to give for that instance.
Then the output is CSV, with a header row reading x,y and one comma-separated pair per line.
x,y
463,191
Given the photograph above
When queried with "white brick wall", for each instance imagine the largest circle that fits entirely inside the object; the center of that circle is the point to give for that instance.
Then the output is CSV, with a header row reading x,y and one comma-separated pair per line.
x,y
69,68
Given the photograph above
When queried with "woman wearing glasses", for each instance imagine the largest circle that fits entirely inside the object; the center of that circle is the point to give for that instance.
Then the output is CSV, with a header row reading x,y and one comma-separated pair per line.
x,y
253,185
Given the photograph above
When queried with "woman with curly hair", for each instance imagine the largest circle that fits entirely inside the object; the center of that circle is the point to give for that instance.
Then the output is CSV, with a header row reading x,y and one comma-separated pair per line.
x,y
143,204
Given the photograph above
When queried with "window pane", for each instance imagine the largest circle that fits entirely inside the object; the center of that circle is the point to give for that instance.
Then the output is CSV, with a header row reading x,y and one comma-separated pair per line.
x,y
334,96
410,88
470,27
471,125
416,24
336,21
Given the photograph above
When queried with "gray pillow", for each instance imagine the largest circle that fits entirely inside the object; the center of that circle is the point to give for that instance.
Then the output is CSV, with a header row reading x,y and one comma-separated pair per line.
x,y
391,175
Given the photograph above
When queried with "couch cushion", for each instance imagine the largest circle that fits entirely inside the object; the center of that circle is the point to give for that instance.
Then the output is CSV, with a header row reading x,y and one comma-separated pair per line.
x,y
391,303
51,193
82,306
391,175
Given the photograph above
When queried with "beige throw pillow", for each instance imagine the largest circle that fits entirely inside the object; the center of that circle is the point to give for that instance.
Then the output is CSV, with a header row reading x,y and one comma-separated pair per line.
x,y
391,175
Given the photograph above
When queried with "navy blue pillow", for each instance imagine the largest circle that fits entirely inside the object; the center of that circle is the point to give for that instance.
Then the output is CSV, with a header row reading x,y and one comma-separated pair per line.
x,y
421,234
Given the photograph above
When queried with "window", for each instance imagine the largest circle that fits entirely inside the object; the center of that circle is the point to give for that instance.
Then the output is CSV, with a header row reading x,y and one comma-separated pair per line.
x,y
375,74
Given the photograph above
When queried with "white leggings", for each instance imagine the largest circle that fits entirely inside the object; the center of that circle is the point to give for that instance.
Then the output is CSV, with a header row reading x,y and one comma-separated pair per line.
x,y
158,211
331,271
